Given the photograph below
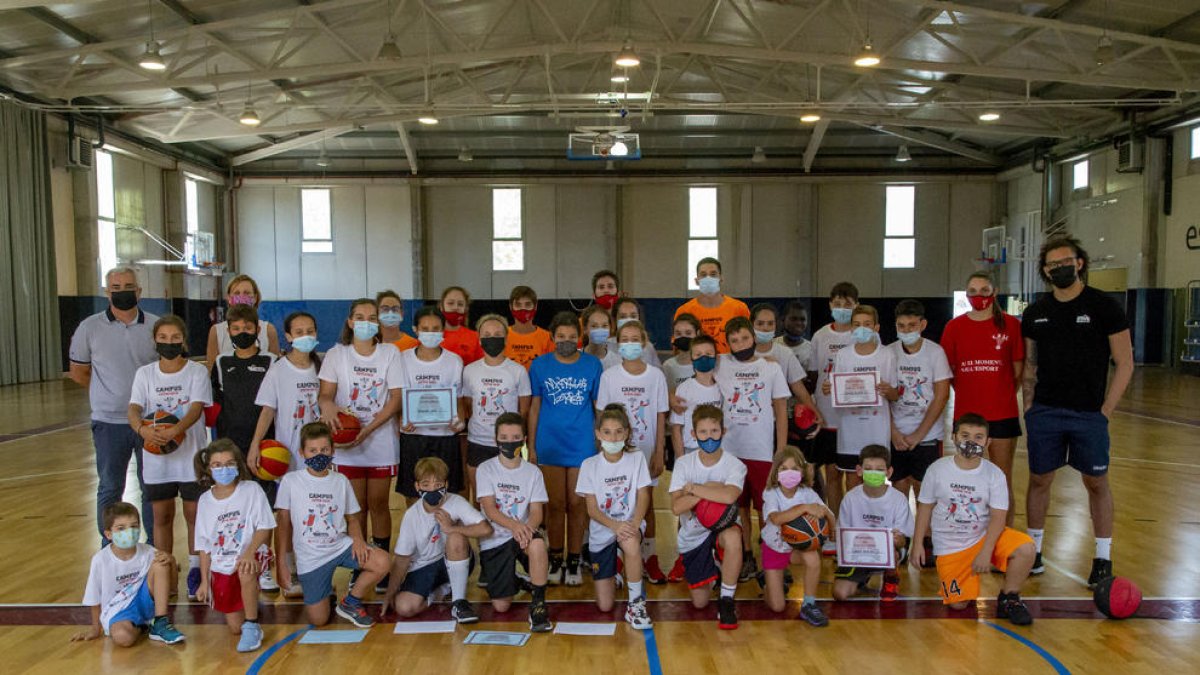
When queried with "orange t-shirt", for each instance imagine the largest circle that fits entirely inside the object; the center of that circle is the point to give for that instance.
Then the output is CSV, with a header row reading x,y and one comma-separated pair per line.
x,y
464,342
406,341
525,347
713,320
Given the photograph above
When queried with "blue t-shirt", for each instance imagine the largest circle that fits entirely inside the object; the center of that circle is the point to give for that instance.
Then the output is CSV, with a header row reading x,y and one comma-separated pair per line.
x,y
568,390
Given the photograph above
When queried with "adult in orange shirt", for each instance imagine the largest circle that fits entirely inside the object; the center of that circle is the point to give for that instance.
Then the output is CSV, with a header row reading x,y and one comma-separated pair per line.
x,y
391,315
456,305
712,307
526,341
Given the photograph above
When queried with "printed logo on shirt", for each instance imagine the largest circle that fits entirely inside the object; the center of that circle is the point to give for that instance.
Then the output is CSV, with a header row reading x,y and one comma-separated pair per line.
x,y
566,390
492,391
1042,319
1000,339
1083,318
638,407
509,500
745,404
170,400
914,389
231,529
616,498
304,406
319,525
872,520
367,393
964,504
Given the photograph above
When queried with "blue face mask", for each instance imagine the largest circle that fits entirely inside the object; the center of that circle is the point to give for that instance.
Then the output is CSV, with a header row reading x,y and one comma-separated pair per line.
x,y
704,364
842,315
433,497
862,335
762,337
431,339
391,318
709,285
305,343
908,339
709,444
630,351
224,475
365,330
127,538
621,322
598,336
319,463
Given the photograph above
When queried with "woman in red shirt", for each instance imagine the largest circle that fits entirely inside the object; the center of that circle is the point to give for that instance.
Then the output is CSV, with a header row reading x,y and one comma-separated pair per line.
x,y
987,356
455,305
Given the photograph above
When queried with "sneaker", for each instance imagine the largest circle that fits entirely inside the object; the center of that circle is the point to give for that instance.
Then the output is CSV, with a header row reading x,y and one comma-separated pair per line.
x,y
462,612
382,584
251,638
676,574
813,614
355,614
1039,567
829,547
890,589
749,568
1009,606
726,614
193,583
294,591
162,630
539,618
573,577
1101,570
266,581
654,573
555,577
636,616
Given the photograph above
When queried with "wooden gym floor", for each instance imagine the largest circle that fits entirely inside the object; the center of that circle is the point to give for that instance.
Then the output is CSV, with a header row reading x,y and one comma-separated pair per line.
x,y
47,493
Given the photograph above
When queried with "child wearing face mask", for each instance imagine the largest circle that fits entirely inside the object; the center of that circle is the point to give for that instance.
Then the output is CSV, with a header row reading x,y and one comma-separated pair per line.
x,y
526,341
319,518
765,320
166,402
456,307
241,290
715,476
616,486
236,380
874,505
129,583
624,311
234,522
432,551
963,502
598,327
391,318
512,494
679,368
492,386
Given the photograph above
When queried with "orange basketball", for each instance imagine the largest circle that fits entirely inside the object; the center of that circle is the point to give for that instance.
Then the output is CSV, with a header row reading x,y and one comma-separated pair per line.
x,y
162,419
806,532
273,459
350,429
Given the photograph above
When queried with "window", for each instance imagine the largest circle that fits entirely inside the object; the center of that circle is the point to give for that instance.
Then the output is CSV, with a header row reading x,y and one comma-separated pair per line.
x,y
192,216
316,222
1079,175
702,229
1195,143
508,249
899,229
106,214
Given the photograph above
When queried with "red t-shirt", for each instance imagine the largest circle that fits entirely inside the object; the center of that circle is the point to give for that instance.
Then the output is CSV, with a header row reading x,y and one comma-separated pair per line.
x,y
464,342
981,357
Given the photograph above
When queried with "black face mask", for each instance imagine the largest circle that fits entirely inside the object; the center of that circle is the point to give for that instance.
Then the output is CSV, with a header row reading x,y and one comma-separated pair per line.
x,y
243,340
744,354
566,348
510,448
169,350
123,300
492,346
1063,277
682,343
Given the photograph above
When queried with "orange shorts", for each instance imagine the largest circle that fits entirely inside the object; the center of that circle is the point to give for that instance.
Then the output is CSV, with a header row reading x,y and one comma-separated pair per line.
x,y
959,582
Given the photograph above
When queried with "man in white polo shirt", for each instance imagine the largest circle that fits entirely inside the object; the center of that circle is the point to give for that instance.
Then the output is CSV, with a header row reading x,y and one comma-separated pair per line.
x,y
106,350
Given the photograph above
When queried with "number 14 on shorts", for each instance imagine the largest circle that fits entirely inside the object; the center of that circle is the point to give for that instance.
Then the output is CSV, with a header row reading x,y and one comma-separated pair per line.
x,y
951,590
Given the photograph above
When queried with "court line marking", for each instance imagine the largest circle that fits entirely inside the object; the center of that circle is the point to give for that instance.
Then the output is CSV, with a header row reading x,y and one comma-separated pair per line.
x,y
42,475
1155,418
1037,649
23,436
1065,572
652,652
1152,461
266,656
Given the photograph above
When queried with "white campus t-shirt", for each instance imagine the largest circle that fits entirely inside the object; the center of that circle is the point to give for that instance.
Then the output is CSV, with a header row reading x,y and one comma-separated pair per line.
x,y
749,390
513,489
113,583
224,527
363,383
826,343
695,394
420,535
318,506
891,511
493,390
444,372
793,369
161,396
803,351
644,397
865,425
728,470
963,501
677,372
615,486
915,376
292,393
774,501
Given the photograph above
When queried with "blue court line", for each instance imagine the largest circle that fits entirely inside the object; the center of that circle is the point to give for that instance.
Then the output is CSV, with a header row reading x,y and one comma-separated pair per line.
x,y
266,656
1047,656
652,652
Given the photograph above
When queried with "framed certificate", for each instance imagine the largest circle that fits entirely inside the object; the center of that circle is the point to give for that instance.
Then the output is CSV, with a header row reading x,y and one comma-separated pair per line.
x,y
852,390
866,547
430,407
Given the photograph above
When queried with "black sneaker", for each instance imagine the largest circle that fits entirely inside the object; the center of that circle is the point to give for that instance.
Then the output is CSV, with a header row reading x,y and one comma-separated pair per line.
x,y
555,576
749,568
1039,567
1101,570
462,612
1009,606
539,618
813,614
726,614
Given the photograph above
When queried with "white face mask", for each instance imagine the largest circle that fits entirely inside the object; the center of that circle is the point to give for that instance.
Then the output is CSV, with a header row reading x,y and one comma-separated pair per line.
x,y
613,447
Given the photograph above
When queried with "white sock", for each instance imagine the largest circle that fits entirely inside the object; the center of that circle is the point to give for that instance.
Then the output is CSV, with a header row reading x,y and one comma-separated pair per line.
x,y
194,561
459,570
1038,536
1104,548
647,547
727,590
635,590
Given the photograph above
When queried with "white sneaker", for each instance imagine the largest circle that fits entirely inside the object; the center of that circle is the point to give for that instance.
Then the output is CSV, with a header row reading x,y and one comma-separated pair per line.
x,y
555,576
266,581
573,577
636,616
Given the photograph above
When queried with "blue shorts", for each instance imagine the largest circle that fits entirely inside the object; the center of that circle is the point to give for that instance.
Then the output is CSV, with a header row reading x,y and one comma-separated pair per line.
x,y
604,562
1059,436
423,581
700,566
318,583
139,611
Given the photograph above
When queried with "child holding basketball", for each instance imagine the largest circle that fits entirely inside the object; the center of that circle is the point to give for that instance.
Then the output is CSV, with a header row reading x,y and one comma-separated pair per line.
x,y
512,494
432,550
129,584
526,341
964,501
715,476
616,486
875,505
786,499
234,522
319,518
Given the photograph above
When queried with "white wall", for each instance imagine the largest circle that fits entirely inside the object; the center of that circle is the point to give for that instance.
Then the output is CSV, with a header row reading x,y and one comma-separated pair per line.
x,y
1178,263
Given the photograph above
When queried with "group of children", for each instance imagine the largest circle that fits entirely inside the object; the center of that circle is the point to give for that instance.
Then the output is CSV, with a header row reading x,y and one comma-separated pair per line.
x,y
729,401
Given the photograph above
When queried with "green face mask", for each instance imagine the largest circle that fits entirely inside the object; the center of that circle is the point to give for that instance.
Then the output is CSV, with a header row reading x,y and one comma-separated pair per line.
x,y
874,478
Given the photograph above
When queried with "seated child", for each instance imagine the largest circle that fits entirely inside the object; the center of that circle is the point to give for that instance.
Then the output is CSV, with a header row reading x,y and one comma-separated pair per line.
x,y
876,505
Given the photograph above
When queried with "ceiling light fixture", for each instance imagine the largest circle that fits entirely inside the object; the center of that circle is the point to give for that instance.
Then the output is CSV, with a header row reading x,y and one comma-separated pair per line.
x,y
428,118
759,156
989,116
867,58
1105,53
902,154
619,79
389,50
249,116
323,160
151,58
626,58
810,117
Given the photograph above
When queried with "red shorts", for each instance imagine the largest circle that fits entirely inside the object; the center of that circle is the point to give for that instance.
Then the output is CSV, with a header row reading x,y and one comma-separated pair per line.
x,y
226,589
360,472
756,482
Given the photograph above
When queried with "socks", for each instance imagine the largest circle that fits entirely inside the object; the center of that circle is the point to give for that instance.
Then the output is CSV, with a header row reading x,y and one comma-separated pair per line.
x,y
1038,536
635,590
727,590
573,562
556,555
384,543
647,548
459,570
809,599
1104,548
352,601
539,594
194,561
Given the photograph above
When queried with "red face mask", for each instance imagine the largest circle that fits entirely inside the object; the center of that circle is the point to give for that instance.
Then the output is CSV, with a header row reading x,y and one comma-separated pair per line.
x,y
523,315
607,301
980,302
454,318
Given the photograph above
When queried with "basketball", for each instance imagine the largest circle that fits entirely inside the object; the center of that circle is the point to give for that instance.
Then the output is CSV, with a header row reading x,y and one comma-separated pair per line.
x,y
350,429
161,419
805,532
714,515
274,459
804,418
1117,597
